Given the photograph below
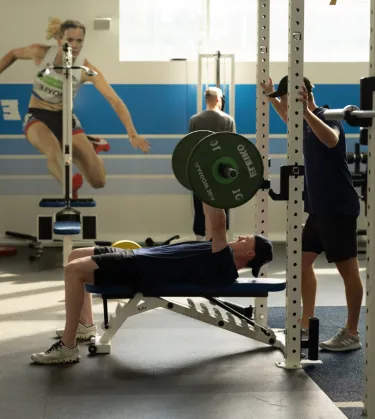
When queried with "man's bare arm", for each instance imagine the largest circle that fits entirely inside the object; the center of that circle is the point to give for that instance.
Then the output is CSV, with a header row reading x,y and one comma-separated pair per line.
x,y
216,222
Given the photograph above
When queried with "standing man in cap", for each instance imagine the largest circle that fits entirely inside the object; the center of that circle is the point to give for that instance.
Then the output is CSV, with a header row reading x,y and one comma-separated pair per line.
x,y
213,118
333,207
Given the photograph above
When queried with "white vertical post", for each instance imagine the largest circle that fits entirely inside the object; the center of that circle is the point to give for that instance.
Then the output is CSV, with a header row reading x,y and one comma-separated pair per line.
x,y
67,248
67,139
67,120
232,113
295,203
208,25
369,399
262,138
232,87
199,84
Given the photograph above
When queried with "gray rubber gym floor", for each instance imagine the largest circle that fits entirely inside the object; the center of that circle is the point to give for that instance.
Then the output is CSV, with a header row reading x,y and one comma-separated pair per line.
x,y
162,365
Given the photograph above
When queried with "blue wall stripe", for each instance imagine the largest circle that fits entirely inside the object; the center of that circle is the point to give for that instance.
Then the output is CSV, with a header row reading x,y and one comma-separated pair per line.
x,y
155,109
45,187
121,146
166,109
17,147
113,167
48,187
138,167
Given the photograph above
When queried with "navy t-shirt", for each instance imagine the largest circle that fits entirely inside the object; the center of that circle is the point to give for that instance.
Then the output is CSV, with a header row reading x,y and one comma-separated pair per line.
x,y
188,262
328,184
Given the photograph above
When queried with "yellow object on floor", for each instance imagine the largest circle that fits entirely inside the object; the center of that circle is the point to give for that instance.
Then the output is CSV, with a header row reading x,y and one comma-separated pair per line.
x,y
126,244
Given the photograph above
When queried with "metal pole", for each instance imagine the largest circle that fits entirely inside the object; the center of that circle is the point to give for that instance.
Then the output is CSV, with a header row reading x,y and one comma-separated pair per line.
x,y
208,25
232,89
67,139
295,202
262,142
369,399
218,72
232,111
199,86
67,120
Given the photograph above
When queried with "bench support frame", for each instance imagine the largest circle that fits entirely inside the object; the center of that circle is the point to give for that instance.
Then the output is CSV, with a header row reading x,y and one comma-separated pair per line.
x,y
207,312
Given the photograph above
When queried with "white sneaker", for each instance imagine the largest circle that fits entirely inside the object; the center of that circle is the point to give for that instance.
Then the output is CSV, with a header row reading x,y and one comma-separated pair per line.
x,y
58,353
83,332
342,341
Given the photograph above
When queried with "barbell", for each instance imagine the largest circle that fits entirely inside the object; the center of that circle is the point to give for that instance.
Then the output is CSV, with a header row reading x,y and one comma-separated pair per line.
x,y
224,169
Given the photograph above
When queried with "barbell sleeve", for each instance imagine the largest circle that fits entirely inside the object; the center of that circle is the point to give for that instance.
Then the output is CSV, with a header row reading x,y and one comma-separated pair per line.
x,y
332,114
227,171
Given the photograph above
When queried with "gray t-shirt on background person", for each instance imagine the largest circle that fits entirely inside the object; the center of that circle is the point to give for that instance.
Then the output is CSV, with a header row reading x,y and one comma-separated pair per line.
x,y
216,121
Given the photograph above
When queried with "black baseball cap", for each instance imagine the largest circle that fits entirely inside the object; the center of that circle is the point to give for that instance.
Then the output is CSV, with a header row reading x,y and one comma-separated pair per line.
x,y
263,254
282,88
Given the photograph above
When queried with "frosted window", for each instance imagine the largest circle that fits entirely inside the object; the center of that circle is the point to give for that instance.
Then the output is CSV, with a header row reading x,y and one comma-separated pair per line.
x,y
158,30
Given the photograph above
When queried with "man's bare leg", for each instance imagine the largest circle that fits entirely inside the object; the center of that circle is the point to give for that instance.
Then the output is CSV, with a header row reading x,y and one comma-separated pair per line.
x,y
349,270
347,338
86,317
77,273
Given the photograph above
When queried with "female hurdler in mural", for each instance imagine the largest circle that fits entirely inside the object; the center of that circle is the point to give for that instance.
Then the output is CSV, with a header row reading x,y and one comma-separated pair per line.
x,y
43,122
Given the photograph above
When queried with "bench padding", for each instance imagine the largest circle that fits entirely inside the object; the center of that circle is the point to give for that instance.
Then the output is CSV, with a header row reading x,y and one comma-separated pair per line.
x,y
243,287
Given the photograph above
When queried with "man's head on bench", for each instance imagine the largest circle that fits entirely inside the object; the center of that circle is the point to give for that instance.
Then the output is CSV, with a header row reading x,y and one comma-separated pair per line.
x,y
252,252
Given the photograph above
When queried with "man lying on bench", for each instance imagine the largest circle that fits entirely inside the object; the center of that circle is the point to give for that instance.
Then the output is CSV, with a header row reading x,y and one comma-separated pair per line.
x,y
210,263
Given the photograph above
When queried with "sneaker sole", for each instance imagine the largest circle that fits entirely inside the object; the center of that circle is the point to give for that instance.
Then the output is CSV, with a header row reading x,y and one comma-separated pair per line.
x,y
80,337
60,361
344,349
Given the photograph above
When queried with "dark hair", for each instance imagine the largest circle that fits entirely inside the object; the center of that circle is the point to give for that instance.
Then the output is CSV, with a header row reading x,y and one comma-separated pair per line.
x,y
56,27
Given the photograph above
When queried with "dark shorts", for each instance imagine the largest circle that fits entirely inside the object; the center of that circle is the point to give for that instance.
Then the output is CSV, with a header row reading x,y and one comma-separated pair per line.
x,y
336,235
117,267
53,120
